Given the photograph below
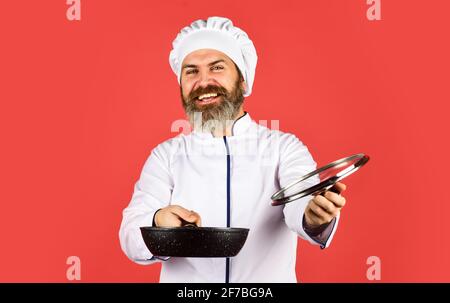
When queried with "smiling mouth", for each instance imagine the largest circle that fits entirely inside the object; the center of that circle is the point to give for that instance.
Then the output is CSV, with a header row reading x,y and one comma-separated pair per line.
x,y
207,98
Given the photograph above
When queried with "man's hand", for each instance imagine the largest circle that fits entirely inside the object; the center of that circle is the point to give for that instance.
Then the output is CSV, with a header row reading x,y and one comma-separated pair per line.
x,y
175,215
323,209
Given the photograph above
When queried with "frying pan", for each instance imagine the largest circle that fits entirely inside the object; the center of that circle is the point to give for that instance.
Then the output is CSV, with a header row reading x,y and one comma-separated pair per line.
x,y
192,241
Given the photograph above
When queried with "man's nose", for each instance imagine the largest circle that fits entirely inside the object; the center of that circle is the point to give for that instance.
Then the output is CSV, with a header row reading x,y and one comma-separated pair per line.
x,y
205,78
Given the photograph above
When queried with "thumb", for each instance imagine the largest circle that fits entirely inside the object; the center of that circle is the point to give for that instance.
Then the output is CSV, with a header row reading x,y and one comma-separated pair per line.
x,y
194,218
340,186
187,215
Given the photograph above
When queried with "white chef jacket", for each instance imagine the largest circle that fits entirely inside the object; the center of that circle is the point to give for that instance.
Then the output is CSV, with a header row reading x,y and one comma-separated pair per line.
x,y
208,174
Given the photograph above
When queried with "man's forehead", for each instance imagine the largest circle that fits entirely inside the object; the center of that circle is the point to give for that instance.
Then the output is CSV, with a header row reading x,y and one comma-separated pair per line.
x,y
205,57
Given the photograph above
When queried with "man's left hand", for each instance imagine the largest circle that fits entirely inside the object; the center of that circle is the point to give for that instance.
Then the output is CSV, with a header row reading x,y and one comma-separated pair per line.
x,y
322,209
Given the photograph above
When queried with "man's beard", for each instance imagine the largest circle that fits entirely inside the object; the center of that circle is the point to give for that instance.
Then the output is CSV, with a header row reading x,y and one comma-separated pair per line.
x,y
216,116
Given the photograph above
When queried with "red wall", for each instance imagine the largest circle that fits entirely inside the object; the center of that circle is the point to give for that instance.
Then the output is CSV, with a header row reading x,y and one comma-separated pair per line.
x,y
84,102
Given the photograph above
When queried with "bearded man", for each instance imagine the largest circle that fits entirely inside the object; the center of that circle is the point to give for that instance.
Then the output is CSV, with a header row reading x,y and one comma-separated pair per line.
x,y
225,171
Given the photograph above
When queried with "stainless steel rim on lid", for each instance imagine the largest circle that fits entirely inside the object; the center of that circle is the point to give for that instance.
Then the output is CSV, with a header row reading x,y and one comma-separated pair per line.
x,y
357,160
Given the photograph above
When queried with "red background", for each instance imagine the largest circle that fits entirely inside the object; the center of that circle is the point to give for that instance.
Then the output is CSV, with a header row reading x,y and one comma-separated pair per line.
x,y
84,102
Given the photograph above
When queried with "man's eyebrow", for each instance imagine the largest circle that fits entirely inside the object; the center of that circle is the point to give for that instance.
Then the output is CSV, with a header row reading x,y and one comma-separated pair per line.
x,y
209,64
189,66
215,62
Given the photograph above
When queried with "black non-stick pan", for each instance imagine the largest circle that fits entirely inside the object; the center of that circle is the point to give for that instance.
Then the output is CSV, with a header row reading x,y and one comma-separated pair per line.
x,y
193,241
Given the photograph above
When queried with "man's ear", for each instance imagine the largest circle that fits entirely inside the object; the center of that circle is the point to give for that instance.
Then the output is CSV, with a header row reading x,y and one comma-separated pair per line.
x,y
244,85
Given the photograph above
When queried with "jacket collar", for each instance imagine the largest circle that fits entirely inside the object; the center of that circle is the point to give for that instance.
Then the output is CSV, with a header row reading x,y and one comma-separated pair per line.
x,y
241,124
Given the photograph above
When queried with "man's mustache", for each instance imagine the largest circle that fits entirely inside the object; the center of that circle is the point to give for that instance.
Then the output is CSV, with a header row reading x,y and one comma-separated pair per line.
x,y
210,89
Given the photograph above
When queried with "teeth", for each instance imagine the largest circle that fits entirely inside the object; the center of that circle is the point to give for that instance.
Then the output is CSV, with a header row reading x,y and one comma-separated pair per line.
x,y
207,96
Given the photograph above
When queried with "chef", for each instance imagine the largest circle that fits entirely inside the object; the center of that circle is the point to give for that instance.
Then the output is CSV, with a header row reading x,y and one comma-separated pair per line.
x,y
225,171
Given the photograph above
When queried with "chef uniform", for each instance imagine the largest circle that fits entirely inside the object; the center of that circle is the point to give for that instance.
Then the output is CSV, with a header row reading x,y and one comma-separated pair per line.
x,y
228,181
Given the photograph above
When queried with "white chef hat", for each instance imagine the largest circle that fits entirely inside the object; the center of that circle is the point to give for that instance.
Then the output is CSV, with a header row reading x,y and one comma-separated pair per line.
x,y
216,33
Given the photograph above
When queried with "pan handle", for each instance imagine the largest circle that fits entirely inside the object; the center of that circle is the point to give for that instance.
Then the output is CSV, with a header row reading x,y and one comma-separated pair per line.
x,y
333,189
185,223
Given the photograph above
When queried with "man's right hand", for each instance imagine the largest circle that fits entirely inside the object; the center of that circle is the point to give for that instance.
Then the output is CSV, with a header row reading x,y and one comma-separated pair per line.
x,y
175,215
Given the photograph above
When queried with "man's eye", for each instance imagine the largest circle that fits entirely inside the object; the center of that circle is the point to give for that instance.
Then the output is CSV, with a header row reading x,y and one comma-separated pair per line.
x,y
191,71
217,67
